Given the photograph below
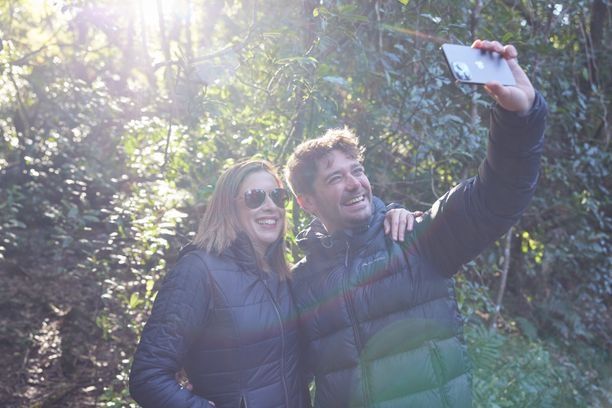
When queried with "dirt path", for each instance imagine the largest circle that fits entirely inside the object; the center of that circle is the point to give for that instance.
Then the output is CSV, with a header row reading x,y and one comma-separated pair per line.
x,y
53,353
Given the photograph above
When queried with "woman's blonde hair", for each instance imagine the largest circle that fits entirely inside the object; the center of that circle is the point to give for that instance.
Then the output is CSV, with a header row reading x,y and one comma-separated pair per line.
x,y
220,225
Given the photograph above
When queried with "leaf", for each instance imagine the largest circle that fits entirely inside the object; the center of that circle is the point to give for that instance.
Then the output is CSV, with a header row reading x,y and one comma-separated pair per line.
x,y
435,19
393,57
150,284
508,38
91,218
134,301
527,328
16,224
404,2
73,212
337,81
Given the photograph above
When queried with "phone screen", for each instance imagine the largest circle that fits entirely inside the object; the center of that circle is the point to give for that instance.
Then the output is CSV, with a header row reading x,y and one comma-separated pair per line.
x,y
474,66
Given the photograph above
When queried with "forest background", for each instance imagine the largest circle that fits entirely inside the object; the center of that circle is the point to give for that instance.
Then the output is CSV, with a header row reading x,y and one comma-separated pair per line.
x,y
116,117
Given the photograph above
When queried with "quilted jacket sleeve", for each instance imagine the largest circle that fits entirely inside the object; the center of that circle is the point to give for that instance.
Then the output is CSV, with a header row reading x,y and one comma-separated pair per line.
x,y
478,211
179,311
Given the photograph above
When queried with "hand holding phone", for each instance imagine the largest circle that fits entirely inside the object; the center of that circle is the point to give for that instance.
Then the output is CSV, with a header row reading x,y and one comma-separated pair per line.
x,y
517,98
475,66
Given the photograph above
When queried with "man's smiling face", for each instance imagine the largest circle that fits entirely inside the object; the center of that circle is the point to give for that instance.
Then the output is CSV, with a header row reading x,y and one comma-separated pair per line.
x,y
342,195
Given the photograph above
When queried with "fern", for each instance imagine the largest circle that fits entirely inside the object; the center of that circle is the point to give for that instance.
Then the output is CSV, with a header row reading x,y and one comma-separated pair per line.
x,y
510,371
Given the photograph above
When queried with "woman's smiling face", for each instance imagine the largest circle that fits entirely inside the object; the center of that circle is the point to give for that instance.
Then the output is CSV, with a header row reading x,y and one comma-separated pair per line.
x,y
264,224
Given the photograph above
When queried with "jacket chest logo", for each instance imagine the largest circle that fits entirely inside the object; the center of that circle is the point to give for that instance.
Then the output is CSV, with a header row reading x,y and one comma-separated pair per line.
x,y
372,269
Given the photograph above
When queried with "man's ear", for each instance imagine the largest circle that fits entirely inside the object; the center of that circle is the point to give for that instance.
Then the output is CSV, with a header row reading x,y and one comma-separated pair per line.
x,y
307,202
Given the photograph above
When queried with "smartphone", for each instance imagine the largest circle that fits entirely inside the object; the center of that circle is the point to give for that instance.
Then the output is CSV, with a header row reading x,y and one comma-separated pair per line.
x,y
474,66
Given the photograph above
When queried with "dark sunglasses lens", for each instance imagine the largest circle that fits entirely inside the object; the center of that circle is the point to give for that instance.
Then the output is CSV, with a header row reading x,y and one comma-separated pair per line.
x,y
279,196
254,198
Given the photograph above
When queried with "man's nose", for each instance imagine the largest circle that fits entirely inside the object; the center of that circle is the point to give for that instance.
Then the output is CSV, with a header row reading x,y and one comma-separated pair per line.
x,y
352,182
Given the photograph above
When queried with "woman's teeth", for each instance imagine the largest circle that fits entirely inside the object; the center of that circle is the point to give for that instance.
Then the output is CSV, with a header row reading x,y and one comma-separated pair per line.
x,y
266,222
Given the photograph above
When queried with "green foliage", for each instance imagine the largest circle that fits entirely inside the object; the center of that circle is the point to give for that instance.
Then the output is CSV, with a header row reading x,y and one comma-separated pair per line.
x,y
113,131
511,372
513,367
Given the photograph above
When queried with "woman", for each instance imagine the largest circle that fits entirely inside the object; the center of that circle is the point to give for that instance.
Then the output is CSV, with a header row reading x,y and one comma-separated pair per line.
x,y
224,314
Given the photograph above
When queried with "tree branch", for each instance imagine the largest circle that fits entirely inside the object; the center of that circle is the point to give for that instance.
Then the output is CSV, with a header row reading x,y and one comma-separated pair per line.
x,y
504,277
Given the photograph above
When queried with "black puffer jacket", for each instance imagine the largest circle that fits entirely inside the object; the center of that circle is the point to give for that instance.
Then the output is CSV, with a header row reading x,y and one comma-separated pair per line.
x,y
230,326
380,318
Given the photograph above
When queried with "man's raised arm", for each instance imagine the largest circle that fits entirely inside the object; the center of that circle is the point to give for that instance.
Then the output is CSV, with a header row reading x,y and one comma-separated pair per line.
x,y
475,213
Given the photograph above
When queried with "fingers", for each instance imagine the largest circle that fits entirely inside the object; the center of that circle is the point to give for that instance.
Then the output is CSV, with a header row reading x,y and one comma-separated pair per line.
x,y
496,90
183,381
518,98
398,224
398,221
392,222
400,228
409,223
492,46
510,52
412,218
507,51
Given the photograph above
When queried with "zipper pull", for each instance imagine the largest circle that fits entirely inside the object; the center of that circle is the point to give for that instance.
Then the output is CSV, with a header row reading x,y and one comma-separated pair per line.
x,y
346,256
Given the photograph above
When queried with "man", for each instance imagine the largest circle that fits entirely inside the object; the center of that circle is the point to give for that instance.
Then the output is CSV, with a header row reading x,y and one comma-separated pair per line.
x,y
381,323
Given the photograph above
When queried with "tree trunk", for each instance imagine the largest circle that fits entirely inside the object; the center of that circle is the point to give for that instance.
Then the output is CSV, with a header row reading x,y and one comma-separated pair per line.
x,y
504,277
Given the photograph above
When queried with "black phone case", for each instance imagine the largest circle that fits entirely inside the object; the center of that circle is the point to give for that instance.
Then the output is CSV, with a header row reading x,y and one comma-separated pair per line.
x,y
473,66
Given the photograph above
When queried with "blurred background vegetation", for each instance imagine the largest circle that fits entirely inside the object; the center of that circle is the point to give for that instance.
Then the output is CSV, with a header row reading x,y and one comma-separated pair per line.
x,y
116,117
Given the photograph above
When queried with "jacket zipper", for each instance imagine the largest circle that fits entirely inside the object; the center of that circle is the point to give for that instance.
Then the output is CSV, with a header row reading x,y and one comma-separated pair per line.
x,y
350,308
282,326
439,371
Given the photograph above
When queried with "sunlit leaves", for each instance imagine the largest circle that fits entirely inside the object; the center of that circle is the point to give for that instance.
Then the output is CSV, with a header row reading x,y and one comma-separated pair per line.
x,y
531,245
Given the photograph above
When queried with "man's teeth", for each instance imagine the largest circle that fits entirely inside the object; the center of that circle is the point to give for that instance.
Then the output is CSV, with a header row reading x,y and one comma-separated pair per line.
x,y
267,222
355,200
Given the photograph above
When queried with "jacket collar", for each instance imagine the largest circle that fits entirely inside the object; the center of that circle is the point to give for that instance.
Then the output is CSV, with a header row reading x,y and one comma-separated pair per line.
x,y
315,239
242,252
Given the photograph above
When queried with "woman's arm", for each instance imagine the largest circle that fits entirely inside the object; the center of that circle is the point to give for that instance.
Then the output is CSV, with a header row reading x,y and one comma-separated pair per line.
x,y
180,309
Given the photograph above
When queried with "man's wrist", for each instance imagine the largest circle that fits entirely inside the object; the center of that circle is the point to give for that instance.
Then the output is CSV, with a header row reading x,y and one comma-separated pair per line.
x,y
536,105
529,111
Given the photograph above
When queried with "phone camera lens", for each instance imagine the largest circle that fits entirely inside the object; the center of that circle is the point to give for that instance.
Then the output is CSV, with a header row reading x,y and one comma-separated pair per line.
x,y
462,71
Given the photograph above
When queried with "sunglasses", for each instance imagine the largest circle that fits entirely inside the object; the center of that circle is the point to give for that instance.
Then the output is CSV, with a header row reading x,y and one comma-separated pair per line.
x,y
255,197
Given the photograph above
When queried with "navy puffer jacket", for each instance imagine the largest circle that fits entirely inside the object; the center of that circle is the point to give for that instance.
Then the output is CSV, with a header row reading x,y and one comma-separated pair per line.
x,y
381,322
230,326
